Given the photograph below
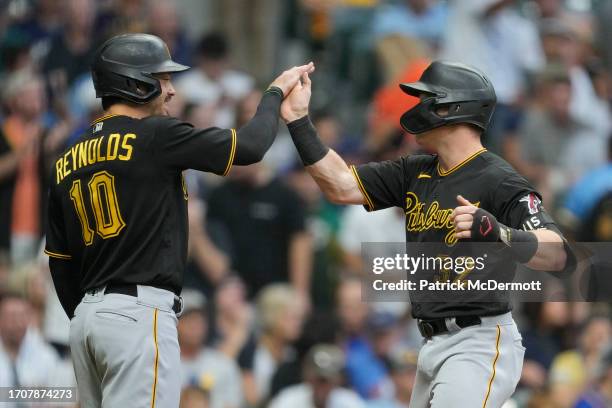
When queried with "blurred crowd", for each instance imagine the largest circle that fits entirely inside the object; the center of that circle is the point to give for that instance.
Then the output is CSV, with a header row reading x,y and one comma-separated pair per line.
x,y
273,310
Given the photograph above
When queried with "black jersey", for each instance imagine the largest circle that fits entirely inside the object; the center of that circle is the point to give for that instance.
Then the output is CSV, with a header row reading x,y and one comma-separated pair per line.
x,y
118,201
428,196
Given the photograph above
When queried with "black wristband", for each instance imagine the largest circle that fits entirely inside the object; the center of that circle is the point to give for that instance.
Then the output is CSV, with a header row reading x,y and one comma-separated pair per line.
x,y
523,244
310,148
276,90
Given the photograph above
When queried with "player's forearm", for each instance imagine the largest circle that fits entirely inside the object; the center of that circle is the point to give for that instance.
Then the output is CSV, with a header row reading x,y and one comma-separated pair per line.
x,y
336,180
326,167
255,138
550,255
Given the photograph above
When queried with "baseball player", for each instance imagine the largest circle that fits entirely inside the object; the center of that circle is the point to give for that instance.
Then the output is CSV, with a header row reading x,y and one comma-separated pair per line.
x,y
117,233
472,355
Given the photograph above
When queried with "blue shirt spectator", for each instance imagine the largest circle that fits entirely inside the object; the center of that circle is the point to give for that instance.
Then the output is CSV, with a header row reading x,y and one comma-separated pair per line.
x,y
365,371
420,19
588,191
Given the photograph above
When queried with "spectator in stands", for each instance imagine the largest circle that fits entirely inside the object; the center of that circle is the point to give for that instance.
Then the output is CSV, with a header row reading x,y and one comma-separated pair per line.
x,y
571,370
72,49
255,41
264,219
493,36
234,318
281,313
42,21
208,265
212,80
365,356
600,396
351,310
323,368
366,373
204,366
422,19
544,133
581,22
23,169
122,16
163,21
15,55
603,32
543,339
587,108
402,368
584,195
194,397
320,327
29,280
25,358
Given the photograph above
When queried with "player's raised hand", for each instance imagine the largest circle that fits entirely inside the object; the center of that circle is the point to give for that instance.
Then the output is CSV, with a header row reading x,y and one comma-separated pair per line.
x,y
463,218
289,78
295,105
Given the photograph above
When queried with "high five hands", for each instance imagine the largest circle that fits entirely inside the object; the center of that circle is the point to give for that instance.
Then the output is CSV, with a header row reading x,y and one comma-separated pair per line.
x,y
295,104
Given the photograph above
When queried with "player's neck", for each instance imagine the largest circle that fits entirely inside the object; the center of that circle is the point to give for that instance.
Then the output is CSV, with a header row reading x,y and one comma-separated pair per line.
x,y
455,148
136,112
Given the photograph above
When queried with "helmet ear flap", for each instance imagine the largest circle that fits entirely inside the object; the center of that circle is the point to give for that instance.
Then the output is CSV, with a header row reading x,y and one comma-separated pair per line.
x,y
140,88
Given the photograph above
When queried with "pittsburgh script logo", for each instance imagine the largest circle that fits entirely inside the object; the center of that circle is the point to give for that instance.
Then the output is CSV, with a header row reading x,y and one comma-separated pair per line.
x,y
420,217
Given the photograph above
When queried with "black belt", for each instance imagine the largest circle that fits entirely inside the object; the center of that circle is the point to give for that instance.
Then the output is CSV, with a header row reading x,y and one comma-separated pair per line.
x,y
430,328
132,290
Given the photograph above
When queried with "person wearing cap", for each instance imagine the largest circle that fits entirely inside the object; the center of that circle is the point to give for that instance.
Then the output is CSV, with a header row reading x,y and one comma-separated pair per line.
x,y
365,366
323,373
203,366
402,365
600,395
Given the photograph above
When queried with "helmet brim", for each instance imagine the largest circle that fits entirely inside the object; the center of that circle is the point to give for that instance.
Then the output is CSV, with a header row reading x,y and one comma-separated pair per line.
x,y
167,66
418,88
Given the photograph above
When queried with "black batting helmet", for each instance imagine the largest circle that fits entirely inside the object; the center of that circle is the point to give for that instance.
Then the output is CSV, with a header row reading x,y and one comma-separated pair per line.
x,y
123,67
465,91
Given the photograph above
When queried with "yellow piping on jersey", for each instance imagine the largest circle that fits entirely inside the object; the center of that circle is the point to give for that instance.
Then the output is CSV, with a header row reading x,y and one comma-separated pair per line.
x,y
230,161
484,404
362,189
103,117
56,255
423,175
455,168
156,358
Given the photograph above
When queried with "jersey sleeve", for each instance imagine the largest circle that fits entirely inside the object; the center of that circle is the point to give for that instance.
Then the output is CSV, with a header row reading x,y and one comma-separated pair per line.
x,y
517,205
381,183
179,145
56,245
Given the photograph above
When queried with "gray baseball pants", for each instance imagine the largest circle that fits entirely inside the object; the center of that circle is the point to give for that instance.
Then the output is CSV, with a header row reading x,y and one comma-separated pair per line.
x,y
125,350
474,367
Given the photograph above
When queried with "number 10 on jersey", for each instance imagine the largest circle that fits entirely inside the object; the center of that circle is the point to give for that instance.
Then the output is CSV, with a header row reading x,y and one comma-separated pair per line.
x,y
103,198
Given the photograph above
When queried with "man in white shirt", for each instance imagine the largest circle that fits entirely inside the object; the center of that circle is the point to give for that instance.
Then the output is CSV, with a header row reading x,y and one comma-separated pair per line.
x,y
213,83
26,360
